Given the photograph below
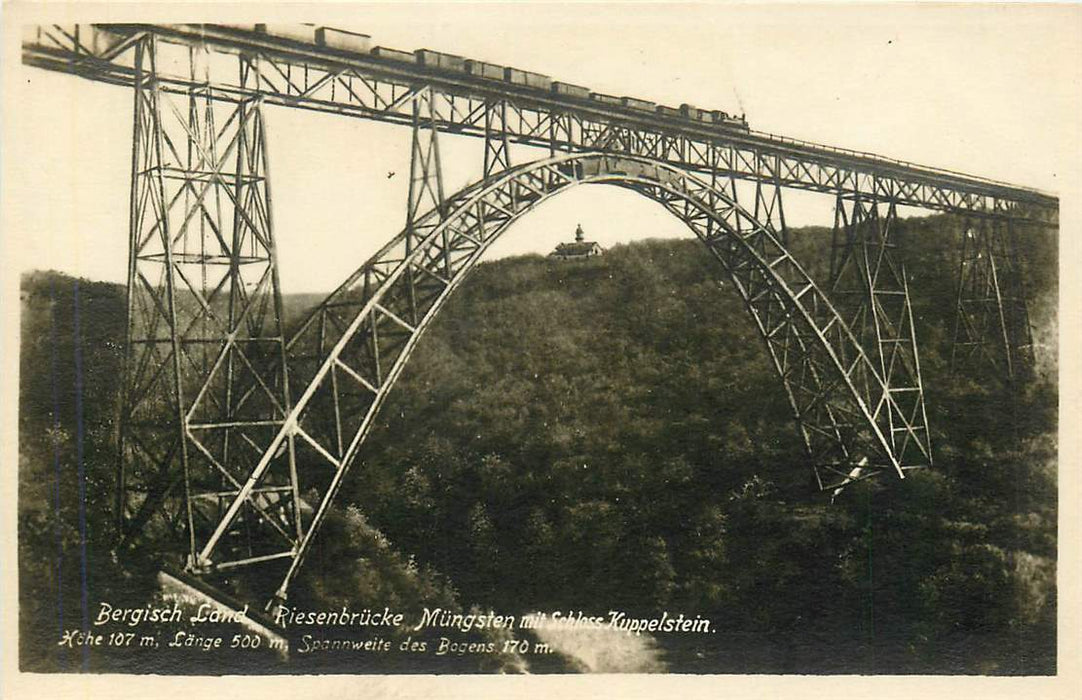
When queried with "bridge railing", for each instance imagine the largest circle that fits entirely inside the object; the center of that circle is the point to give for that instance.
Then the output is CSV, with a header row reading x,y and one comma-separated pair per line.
x,y
886,160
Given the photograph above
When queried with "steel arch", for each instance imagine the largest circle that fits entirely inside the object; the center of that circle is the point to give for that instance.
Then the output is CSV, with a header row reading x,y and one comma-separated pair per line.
x,y
358,340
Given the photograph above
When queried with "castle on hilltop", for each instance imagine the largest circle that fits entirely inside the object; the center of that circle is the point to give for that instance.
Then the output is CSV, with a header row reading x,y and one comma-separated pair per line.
x,y
581,248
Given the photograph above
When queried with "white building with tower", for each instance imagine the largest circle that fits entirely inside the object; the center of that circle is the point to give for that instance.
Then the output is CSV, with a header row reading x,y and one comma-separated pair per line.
x,y
581,248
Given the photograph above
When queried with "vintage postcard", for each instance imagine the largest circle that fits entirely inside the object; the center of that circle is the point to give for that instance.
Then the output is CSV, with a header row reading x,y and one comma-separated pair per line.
x,y
614,347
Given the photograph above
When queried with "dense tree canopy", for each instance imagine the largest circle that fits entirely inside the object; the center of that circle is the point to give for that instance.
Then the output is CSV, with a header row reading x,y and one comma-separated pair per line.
x,y
609,434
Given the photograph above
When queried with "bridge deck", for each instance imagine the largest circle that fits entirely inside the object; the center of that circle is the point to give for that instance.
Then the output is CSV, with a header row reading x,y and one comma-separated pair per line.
x,y
310,76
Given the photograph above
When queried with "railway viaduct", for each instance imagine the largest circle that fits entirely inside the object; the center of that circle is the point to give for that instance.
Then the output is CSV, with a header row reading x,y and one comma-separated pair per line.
x,y
235,435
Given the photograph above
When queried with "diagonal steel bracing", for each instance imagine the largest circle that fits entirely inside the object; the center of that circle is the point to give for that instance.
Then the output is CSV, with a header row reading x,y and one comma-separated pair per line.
x,y
426,180
204,384
497,150
869,287
992,329
827,430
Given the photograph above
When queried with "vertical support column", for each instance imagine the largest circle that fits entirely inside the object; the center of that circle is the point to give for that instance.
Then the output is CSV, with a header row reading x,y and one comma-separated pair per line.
x,y
497,153
205,383
559,133
768,207
127,371
426,178
992,329
870,289
714,159
152,456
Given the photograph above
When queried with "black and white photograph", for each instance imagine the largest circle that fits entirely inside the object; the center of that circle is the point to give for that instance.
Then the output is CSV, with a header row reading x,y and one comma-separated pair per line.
x,y
714,343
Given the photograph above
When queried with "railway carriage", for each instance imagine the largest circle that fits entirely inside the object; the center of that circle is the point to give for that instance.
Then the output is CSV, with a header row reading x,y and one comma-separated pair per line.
x,y
480,69
569,90
693,113
634,103
608,100
303,33
343,41
436,59
393,55
516,76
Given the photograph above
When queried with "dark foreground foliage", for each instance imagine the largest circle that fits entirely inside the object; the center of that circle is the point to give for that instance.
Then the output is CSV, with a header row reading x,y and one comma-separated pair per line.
x,y
608,434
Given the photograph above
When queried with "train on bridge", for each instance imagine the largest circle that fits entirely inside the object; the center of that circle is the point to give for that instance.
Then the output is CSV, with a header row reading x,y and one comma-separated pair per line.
x,y
353,42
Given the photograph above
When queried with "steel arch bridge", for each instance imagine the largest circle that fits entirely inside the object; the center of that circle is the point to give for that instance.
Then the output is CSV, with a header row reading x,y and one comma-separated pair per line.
x,y
234,439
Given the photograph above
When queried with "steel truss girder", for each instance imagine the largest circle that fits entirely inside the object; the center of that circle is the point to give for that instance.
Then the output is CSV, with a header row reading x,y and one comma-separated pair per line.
x,y
426,173
204,380
992,328
361,86
356,343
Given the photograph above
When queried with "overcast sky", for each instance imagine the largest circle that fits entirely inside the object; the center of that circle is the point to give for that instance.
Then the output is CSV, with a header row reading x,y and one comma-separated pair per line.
x,y
992,91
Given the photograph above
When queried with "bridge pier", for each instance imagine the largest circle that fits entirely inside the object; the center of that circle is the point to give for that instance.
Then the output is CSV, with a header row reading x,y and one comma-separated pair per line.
x,y
992,329
869,291
204,382
869,285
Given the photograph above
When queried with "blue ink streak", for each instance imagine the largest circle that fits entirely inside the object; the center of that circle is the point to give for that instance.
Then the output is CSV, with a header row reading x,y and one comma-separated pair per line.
x,y
82,470
54,376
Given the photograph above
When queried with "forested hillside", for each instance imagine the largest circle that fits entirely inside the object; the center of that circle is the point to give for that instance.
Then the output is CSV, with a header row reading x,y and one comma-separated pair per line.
x,y
609,434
